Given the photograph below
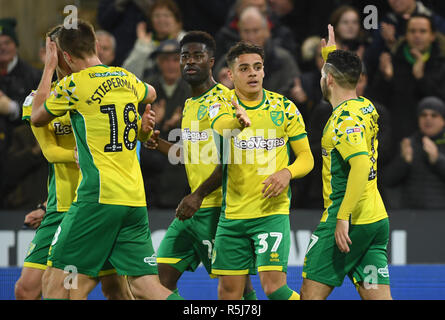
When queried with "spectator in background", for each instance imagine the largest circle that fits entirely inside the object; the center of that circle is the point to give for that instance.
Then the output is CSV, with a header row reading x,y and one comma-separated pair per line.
x,y
27,171
393,27
419,169
166,184
17,79
349,33
171,89
120,17
280,67
229,34
106,48
166,23
415,70
306,91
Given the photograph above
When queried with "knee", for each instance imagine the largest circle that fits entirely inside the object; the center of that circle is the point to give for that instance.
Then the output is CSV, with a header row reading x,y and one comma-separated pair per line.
x,y
228,290
24,291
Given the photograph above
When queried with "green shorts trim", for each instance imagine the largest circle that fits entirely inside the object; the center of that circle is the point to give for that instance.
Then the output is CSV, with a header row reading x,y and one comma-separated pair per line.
x,y
243,246
92,233
366,262
188,243
38,248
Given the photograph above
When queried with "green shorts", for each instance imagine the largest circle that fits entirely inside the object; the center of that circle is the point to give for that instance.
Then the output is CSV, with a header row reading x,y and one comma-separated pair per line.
x,y
92,233
188,243
37,255
38,248
367,260
244,245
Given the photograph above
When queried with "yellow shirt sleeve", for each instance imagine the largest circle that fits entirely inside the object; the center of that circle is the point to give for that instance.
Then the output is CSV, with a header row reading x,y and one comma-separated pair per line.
x,y
50,149
304,161
357,180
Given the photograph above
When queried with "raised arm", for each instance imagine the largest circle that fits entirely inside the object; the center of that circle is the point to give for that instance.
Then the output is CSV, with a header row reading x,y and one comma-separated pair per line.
x,y
40,116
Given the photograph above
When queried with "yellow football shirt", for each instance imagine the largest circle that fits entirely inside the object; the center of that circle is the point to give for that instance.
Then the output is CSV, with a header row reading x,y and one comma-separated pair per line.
x,y
256,153
102,104
350,131
63,177
200,153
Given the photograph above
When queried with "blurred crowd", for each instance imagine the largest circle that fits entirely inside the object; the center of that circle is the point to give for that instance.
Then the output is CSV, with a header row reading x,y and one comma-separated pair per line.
x,y
403,74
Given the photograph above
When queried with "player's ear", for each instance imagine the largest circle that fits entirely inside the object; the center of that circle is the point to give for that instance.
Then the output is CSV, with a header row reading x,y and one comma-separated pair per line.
x,y
230,73
212,62
329,79
67,57
97,47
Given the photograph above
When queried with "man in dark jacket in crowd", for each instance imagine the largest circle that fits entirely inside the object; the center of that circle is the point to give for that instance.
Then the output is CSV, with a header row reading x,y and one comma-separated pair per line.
x,y
419,169
415,70
17,79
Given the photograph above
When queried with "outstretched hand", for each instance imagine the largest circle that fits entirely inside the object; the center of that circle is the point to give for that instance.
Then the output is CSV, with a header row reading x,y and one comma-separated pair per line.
x,y
331,38
241,115
148,119
330,45
153,142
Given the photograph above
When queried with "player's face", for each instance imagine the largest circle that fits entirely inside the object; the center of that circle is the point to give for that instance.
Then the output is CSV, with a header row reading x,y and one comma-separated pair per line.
x,y
431,123
247,73
196,64
419,34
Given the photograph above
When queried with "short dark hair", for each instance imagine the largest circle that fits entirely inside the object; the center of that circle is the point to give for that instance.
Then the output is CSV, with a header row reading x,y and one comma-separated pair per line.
x,y
79,42
424,16
200,37
345,66
243,48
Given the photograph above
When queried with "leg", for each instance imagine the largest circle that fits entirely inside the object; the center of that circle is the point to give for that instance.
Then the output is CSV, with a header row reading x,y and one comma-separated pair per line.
x,y
168,276
29,285
116,287
231,287
148,287
313,290
53,284
249,292
271,281
375,292
85,284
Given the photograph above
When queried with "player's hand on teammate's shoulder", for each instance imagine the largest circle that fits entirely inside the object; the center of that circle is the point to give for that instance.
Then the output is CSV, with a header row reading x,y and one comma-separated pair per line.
x,y
241,115
153,142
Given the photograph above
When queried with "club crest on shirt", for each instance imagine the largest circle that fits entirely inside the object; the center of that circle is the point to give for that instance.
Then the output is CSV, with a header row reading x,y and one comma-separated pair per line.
x,y
277,117
201,112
